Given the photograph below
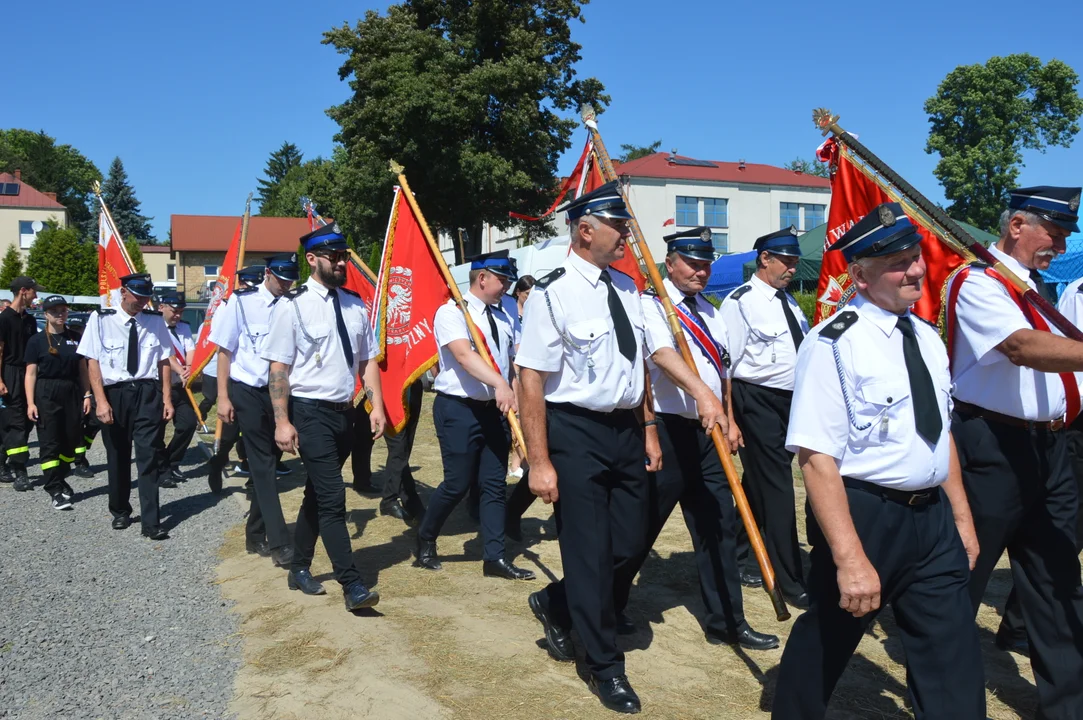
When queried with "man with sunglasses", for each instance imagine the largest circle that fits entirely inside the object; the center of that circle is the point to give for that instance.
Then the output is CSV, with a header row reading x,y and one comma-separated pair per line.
x,y
320,337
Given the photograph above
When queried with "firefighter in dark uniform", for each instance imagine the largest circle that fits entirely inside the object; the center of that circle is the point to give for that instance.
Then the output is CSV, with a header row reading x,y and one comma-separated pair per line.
x,y
240,331
17,326
58,391
180,362
128,350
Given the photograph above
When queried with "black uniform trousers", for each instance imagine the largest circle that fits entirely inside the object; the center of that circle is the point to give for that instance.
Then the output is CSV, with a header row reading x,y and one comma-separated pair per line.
x,y
399,483
923,571
601,514
361,447
324,434
137,419
255,418
763,414
91,426
1024,499
60,428
692,474
474,446
184,429
231,433
14,424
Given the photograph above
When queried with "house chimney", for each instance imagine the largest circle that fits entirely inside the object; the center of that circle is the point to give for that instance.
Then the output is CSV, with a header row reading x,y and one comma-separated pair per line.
x,y
741,164
672,156
50,195
18,175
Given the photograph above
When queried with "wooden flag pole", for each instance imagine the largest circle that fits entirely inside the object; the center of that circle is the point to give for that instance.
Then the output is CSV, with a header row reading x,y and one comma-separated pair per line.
x,y
721,445
475,334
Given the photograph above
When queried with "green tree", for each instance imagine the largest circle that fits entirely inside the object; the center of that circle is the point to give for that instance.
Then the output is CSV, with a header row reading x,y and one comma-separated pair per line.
x,y
136,254
314,179
76,274
11,266
984,116
279,164
808,167
49,167
466,96
376,254
119,196
634,152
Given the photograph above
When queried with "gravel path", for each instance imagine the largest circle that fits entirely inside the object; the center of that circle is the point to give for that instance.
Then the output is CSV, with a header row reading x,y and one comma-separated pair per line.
x,y
99,623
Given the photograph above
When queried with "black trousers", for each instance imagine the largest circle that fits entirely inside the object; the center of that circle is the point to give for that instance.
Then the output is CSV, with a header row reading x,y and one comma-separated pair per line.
x,y
325,436
361,447
692,475
474,447
923,572
14,424
1025,499
601,517
91,426
399,482
184,429
231,433
763,414
137,419
60,428
255,418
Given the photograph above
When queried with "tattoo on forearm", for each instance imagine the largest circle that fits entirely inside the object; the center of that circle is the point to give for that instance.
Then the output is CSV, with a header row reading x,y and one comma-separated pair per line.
x,y
368,394
279,388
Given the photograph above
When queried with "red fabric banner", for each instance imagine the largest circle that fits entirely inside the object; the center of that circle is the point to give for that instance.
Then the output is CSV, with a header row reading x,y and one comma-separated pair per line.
x,y
409,290
223,288
853,195
113,263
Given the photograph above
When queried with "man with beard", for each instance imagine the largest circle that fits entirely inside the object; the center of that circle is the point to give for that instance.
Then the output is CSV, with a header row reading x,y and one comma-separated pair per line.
x,y
319,337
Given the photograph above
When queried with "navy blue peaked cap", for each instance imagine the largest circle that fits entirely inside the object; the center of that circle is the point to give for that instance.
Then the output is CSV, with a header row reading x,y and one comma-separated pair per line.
x,y
885,230
328,237
782,242
605,201
1058,205
138,284
497,262
694,243
284,266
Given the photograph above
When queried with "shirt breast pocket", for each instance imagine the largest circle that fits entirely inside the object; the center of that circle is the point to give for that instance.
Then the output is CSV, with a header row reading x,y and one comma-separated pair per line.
x,y
255,337
878,405
356,331
314,340
591,339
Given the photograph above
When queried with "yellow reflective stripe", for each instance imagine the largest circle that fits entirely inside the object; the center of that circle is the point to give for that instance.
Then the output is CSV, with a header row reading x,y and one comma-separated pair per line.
x,y
49,465
88,440
16,451
67,459
80,450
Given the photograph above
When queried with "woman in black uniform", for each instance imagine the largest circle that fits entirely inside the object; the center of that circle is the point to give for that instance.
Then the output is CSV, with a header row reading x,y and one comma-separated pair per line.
x,y
58,396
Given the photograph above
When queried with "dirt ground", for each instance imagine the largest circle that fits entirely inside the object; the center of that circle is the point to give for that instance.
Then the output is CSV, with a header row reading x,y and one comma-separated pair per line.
x,y
454,644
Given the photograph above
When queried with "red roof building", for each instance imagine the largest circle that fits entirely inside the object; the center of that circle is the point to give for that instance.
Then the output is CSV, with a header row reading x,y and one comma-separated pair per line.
x,y
24,211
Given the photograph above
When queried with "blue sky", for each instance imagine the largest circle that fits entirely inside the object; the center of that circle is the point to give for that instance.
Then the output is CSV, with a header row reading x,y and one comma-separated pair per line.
x,y
194,96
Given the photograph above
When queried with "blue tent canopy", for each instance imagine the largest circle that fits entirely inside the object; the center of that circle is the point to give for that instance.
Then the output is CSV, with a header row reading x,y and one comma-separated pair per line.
x,y
1067,267
727,272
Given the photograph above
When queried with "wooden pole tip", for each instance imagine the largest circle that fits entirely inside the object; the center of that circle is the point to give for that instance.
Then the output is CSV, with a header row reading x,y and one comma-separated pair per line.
x,y
395,168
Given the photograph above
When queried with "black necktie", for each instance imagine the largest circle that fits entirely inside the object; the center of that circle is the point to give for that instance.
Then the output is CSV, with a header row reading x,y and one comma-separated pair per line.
x,y
926,411
795,327
626,339
341,324
1042,288
133,348
492,325
690,303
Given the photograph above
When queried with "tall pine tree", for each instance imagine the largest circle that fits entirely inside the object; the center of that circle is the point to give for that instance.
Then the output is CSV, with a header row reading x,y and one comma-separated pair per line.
x,y
119,195
279,164
11,267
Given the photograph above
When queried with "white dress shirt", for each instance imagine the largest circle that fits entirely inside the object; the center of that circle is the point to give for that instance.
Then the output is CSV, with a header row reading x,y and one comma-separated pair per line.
x,y
304,335
880,443
241,326
761,347
1071,307
985,315
511,308
668,398
568,333
182,342
450,325
106,340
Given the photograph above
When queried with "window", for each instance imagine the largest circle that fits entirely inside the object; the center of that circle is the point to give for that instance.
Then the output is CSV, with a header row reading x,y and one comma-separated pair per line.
x,y
721,242
687,211
28,232
715,213
789,214
814,216
210,271
171,272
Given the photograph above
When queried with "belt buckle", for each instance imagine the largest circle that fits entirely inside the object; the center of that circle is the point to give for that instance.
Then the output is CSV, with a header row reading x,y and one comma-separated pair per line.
x,y
915,497
1055,425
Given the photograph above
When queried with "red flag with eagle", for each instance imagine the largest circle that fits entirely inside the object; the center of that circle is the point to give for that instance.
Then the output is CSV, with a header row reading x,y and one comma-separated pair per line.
x,y
223,288
409,290
113,261
854,193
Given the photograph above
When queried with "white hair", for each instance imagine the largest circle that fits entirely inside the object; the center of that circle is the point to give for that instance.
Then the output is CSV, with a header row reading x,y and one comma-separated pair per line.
x,y
1006,218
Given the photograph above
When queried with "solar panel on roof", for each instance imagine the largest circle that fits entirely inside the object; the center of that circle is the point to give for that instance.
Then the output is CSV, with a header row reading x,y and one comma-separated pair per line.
x,y
9,188
692,162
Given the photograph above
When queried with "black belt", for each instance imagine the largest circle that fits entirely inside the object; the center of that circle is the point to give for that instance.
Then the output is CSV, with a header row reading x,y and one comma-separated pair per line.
x,y
680,419
978,411
260,389
613,417
467,401
132,383
788,394
325,404
902,497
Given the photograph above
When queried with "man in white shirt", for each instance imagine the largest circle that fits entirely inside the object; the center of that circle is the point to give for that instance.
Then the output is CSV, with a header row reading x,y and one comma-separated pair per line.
x,y
180,363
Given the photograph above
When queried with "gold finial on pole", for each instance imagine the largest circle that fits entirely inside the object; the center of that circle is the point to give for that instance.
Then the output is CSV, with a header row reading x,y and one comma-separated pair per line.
x,y
825,121
97,188
395,168
586,111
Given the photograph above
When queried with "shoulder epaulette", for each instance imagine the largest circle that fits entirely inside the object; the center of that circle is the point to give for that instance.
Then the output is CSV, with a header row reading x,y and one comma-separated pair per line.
x,y
650,291
148,311
547,280
106,311
739,292
979,265
839,324
246,290
348,291
295,292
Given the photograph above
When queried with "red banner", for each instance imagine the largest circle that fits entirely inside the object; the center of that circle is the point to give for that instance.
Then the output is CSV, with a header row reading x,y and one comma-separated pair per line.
x,y
113,262
853,195
360,280
409,290
223,288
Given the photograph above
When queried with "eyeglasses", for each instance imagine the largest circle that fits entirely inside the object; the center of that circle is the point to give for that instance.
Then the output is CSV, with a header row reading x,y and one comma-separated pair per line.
x,y
333,257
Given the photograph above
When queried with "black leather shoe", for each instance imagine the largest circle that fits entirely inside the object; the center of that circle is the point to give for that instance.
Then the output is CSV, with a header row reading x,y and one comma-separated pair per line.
x,y
176,475
122,522
750,580
747,638
22,484
801,601
259,547
364,488
426,555
359,597
616,694
80,467
503,569
558,640
282,469
165,481
395,509
282,557
6,476
155,533
1009,642
625,626
214,477
302,580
